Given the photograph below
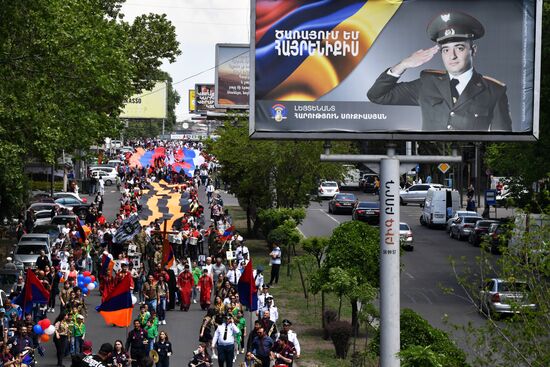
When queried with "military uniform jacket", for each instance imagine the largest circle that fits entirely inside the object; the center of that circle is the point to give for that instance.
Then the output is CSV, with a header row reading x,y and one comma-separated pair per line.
x,y
482,106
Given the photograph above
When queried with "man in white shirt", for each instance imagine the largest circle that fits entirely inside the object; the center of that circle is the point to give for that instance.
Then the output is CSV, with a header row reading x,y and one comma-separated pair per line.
x,y
270,307
275,261
262,297
292,336
259,277
233,274
241,252
224,341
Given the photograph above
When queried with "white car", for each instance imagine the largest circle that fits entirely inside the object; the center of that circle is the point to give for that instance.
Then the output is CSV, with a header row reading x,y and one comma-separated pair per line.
x,y
459,214
327,189
109,178
64,194
416,193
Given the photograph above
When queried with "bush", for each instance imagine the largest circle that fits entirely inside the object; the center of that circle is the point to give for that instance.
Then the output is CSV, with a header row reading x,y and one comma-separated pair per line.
x,y
330,316
340,334
273,218
416,331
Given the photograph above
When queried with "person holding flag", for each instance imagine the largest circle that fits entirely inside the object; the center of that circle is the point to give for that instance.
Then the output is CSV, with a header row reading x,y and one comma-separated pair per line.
x,y
33,292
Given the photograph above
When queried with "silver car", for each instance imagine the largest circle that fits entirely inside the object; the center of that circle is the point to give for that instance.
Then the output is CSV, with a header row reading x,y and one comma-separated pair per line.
x,y
26,254
416,194
406,238
459,214
463,227
500,296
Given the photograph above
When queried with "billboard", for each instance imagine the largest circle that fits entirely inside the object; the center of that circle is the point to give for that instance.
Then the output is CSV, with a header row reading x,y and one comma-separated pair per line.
x,y
232,76
150,104
204,97
191,96
382,69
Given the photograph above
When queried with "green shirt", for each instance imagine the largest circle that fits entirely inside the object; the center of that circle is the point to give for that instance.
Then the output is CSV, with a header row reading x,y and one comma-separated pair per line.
x,y
153,330
197,273
79,329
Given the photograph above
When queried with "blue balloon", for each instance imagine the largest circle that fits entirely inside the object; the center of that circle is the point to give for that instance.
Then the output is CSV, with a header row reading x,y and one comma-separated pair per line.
x,y
85,290
80,277
81,284
37,329
87,280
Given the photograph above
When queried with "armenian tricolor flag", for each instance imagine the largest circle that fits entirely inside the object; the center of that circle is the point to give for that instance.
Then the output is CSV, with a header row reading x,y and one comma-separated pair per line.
x,y
107,265
247,288
33,292
167,254
116,308
228,233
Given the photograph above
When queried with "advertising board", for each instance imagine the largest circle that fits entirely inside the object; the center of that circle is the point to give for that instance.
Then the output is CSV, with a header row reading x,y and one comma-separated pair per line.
x,y
191,96
150,104
382,69
232,76
204,97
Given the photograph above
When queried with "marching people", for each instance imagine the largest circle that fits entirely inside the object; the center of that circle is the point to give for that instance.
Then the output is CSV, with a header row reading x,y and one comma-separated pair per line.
x,y
164,349
185,285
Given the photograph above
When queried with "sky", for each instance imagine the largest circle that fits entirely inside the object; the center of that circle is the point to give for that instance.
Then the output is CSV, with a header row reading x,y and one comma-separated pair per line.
x,y
200,24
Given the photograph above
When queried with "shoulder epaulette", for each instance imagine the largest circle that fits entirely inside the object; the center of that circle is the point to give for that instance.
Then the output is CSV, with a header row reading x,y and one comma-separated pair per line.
x,y
494,80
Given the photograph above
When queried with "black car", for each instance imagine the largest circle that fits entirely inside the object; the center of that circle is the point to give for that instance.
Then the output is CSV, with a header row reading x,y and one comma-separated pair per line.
x,y
480,229
341,203
367,211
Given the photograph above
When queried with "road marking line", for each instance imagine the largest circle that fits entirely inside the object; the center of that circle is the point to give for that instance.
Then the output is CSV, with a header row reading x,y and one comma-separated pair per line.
x,y
409,275
330,216
302,233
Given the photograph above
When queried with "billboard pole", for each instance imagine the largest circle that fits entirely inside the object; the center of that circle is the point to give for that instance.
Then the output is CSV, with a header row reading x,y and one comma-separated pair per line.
x,y
389,260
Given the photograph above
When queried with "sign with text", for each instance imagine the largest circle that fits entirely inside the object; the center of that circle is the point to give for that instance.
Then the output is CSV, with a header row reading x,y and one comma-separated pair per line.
x,y
232,76
204,97
191,97
415,70
150,104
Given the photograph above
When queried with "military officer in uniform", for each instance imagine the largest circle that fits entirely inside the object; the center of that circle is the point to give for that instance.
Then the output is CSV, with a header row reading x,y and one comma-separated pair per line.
x,y
458,98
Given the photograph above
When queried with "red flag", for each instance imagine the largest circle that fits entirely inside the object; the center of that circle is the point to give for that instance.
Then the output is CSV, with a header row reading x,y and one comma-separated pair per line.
x,y
247,288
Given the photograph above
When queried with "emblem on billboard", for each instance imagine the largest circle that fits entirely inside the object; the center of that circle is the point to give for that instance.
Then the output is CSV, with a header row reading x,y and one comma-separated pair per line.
x,y
445,17
278,112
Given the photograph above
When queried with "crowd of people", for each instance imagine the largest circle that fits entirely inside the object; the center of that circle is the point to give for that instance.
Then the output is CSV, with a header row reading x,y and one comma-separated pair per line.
x,y
209,257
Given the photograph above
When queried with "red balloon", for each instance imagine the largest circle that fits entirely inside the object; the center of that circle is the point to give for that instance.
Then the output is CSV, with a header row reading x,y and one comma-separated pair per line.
x,y
44,323
86,273
92,277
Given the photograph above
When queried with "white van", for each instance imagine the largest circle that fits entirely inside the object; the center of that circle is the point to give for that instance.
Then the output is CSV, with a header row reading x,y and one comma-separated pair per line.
x,y
440,204
351,177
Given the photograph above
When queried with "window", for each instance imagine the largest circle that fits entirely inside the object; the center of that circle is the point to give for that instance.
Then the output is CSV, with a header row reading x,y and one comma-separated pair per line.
x,y
31,249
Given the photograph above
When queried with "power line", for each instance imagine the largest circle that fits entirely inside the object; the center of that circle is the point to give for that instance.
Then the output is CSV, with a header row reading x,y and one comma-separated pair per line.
x,y
199,73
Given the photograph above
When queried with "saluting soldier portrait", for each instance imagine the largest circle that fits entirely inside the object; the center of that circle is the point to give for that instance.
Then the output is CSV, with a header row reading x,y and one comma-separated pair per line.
x,y
458,98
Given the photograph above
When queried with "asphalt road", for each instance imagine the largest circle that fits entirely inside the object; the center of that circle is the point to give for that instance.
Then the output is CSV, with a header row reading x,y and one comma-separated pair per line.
x,y
426,271
182,327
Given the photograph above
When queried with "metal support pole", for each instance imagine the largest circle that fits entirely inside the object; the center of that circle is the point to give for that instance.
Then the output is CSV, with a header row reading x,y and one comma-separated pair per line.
x,y
327,147
389,261
476,175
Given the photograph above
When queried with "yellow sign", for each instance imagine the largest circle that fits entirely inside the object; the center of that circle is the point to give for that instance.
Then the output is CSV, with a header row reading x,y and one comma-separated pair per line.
x,y
150,104
192,100
444,167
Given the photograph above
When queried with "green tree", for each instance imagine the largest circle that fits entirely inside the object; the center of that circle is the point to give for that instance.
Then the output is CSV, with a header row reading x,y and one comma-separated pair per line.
x,y
266,174
66,67
520,339
527,162
353,247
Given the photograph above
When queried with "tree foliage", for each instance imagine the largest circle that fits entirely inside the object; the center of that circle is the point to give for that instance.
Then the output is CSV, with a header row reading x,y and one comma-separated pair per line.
x,y
520,339
417,332
274,217
270,174
528,162
353,249
66,68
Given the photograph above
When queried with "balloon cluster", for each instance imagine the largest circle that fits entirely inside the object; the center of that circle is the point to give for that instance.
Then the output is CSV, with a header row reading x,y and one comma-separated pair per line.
x,y
44,329
86,282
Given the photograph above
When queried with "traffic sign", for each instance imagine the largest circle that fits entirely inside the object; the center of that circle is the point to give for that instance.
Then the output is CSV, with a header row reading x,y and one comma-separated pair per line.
x,y
491,197
444,167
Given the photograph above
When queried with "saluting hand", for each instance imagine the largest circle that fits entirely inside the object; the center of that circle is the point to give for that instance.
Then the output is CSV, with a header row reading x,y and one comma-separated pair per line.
x,y
417,59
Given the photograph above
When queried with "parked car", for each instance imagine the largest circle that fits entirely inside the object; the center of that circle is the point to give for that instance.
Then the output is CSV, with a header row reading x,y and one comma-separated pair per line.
x,y
36,237
481,228
463,227
327,189
406,238
368,211
42,217
497,237
26,253
62,220
8,280
109,178
367,182
342,202
66,194
415,194
78,207
51,230
459,214
499,296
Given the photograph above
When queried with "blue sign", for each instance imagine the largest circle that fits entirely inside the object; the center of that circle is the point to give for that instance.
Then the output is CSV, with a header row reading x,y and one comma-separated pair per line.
x,y
491,197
